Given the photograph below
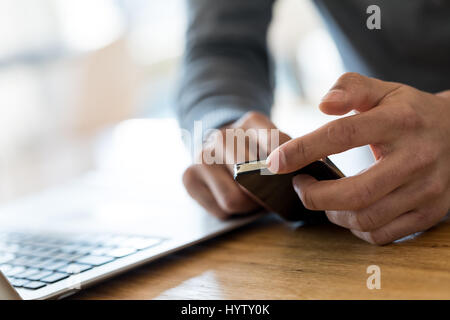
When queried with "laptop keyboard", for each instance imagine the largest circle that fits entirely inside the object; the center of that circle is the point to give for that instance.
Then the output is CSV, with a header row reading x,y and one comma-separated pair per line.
x,y
32,261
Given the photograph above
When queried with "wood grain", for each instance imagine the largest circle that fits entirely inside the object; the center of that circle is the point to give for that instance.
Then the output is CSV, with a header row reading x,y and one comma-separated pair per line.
x,y
274,260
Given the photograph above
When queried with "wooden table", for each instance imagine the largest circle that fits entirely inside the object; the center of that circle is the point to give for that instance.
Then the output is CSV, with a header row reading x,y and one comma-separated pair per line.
x,y
273,260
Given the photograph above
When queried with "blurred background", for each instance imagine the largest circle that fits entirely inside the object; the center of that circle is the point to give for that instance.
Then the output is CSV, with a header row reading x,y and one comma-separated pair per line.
x,y
72,71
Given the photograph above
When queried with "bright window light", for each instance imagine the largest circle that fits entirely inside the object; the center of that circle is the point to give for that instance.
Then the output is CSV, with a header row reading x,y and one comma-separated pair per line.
x,y
89,25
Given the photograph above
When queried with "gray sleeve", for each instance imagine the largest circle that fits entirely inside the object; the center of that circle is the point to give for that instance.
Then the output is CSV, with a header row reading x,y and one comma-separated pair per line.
x,y
227,69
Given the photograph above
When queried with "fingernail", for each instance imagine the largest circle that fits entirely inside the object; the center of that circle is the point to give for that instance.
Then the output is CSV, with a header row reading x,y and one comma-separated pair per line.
x,y
334,96
275,161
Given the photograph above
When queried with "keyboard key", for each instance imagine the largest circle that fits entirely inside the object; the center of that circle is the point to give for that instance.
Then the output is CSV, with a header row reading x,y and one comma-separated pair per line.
x,y
116,240
28,250
23,260
9,247
74,268
14,271
54,265
6,257
5,267
54,254
55,277
120,252
78,249
102,251
39,275
27,273
34,285
95,260
28,261
70,248
141,243
90,239
42,263
18,282
86,249
69,256
45,251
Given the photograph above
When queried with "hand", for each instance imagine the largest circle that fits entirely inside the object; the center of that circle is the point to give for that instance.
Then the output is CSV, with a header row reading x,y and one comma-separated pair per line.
x,y
407,189
212,184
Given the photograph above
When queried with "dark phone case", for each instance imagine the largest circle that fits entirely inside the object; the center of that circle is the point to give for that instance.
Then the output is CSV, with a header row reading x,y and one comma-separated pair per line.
x,y
276,193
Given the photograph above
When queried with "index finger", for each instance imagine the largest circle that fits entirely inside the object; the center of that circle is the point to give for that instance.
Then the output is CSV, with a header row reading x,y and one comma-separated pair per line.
x,y
336,136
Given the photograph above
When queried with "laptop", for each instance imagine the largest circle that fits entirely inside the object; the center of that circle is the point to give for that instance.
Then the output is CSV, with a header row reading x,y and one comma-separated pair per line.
x,y
128,212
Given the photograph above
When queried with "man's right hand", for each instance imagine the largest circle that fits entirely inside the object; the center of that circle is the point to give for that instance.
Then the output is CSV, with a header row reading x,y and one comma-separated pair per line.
x,y
212,184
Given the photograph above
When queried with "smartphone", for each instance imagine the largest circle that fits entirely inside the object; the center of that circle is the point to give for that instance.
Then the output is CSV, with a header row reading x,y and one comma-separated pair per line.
x,y
275,191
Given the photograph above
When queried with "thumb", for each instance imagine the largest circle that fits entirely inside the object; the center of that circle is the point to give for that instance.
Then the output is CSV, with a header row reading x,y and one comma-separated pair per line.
x,y
353,91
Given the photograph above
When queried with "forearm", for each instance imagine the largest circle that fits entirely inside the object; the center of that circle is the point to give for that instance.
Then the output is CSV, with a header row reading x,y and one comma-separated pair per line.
x,y
227,69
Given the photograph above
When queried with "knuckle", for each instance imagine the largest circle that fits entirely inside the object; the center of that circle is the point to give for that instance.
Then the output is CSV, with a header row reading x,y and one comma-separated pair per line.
x,y
300,149
407,93
348,81
380,237
231,202
342,132
308,199
401,92
189,176
363,221
409,118
434,189
253,116
423,157
361,197
422,217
